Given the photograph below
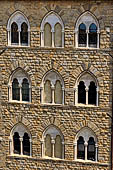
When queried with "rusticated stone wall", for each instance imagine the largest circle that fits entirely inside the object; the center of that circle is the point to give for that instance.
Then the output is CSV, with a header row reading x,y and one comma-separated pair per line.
x,y
70,63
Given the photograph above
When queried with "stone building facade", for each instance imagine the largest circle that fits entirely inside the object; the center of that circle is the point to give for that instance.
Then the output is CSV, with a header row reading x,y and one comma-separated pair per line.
x,y
55,84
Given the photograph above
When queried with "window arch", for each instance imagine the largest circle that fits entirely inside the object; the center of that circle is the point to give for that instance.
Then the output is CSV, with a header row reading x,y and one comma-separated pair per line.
x,y
20,140
19,86
18,30
53,143
52,88
86,89
85,145
52,31
87,31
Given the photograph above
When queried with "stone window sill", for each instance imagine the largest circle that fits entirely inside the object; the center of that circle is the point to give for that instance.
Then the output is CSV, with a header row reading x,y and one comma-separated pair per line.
x,y
88,48
20,156
17,46
51,104
84,105
21,102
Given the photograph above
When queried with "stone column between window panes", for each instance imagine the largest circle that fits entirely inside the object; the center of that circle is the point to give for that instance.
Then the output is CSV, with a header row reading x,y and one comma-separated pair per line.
x,y
87,44
98,37
21,146
85,144
53,38
53,94
53,147
86,94
19,31
75,150
62,38
20,86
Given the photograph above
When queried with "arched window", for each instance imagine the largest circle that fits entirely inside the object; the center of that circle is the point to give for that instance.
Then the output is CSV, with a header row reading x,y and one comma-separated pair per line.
x,y
24,34
25,90
14,33
80,148
15,90
16,142
87,31
53,143
85,145
81,93
18,30
52,31
86,89
93,35
82,35
47,35
20,140
52,88
92,93
26,144
91,149
19,86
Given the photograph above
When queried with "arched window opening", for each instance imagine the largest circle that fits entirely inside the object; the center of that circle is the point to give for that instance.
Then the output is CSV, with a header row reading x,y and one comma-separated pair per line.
x,y
14,33
18,28
81,93
48,146
15,90
16,142
92,94
91,149
58,92
58,35
58,147
87,31
24,34
47,92
26,144
47,35
82,35
80,148
25,90
93,35
20,141
52,31
53,143
52,88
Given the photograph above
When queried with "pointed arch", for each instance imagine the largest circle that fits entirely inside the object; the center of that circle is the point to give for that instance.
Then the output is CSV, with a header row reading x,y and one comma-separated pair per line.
x,y
56,86
85,145
53,136
23,90
20,140
87,18
53,19
19,18
86,85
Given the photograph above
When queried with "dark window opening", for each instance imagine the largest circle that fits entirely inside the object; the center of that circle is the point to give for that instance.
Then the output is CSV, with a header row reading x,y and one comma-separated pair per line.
x,y
16,142
92,93
91,149
81,93
93,35
82,37
80,148
25,90
14,33
26,144
24,34
15,90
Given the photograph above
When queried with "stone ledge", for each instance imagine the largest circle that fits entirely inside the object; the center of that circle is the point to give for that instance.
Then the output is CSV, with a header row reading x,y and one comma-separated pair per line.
x,y
11,157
